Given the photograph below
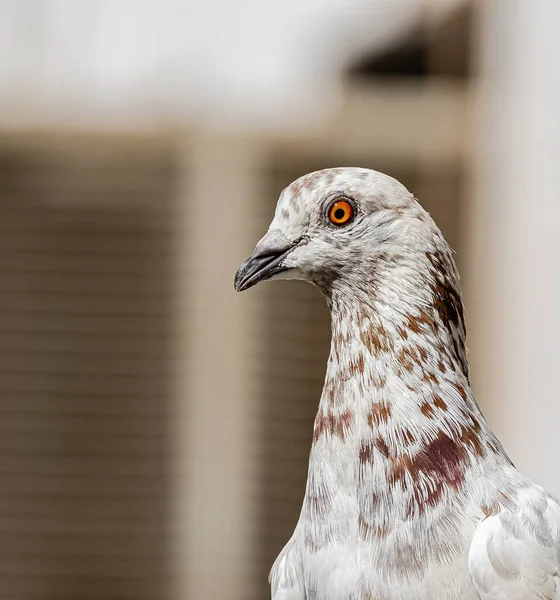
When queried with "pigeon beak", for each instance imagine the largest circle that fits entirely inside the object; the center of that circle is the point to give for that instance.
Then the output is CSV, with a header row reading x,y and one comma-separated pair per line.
x,y
267,260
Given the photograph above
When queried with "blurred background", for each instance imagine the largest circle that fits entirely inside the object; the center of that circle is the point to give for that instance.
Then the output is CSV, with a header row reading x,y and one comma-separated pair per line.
x,y
154,425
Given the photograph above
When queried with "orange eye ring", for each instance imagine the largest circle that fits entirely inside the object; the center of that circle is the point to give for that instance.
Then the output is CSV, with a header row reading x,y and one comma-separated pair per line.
x,y
340,212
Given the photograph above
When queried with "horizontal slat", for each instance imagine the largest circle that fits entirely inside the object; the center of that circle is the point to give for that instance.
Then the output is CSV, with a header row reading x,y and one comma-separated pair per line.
x,y
100,427
68,264
52,239
77,566
91,323
141,227
104,529
62,347
41,587
64,548
79,366
107,448
63,507
94,284
87,245
42,404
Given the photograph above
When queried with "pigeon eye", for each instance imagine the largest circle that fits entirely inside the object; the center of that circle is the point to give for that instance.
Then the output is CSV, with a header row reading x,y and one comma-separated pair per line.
x,y
340,212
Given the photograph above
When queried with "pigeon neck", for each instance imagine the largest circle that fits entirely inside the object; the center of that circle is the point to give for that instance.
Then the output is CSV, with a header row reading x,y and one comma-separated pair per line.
x,y
397,421
410,306
395,379
372,343
399,344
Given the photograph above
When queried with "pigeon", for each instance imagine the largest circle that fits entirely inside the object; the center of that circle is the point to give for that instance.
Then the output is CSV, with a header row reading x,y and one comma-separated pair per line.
x,y
409,494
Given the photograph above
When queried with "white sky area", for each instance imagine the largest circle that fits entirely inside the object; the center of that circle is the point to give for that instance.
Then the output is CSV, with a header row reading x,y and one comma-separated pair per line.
x,y
214,60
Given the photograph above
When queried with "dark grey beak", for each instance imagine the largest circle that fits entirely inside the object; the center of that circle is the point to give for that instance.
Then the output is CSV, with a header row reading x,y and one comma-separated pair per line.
x,y
266,260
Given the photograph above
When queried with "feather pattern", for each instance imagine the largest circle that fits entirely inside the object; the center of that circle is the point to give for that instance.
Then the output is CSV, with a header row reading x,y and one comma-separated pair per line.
x,y
409,495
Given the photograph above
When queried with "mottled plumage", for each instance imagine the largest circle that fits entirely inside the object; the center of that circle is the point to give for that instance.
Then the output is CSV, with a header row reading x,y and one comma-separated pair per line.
x,y
409,494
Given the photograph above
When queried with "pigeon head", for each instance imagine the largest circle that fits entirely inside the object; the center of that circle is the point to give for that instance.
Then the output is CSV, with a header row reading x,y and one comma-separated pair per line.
x,y
342,229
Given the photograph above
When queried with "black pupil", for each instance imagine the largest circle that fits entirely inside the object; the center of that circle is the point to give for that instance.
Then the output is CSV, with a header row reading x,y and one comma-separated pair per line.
x,y
339,214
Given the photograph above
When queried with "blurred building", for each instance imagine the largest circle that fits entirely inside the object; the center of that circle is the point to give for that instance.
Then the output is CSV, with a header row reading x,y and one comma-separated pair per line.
x,y
156,426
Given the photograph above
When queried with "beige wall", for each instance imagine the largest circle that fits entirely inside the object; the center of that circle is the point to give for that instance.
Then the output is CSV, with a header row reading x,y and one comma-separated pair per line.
x,y
514,269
